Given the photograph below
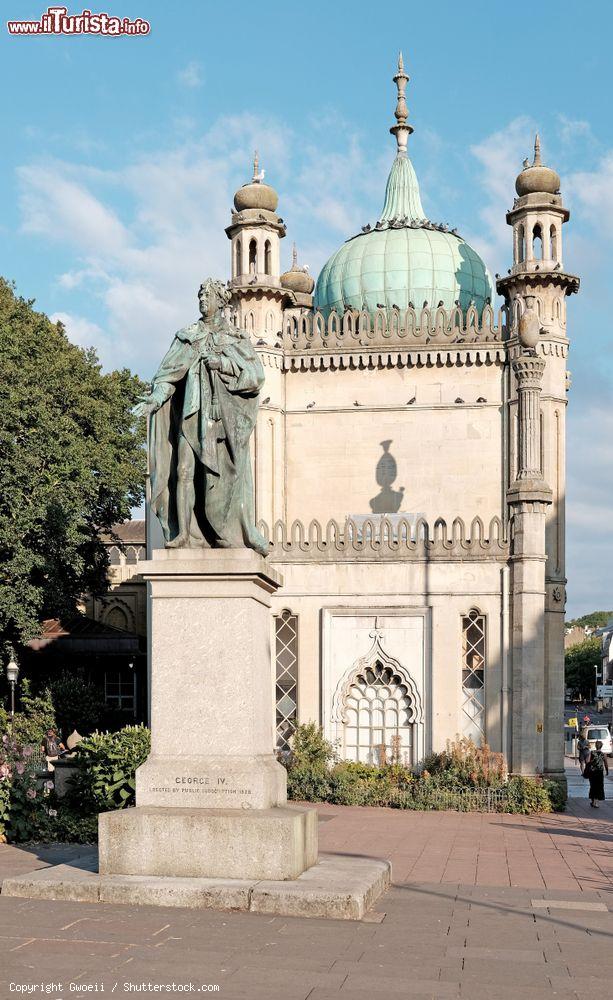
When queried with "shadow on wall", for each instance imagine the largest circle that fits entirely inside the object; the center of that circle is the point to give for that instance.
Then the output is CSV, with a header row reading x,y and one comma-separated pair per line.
x,y
387,501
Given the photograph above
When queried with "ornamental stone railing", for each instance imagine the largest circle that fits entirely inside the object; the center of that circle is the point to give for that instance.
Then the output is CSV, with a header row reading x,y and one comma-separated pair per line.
x,y
390,537
395,328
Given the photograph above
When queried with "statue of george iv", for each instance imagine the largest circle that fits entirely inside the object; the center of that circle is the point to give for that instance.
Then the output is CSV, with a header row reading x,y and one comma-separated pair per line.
x,y
202,409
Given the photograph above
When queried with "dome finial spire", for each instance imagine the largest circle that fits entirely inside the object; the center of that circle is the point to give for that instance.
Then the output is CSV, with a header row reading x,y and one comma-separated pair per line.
x,y
294,256
537,151
258,175
401,129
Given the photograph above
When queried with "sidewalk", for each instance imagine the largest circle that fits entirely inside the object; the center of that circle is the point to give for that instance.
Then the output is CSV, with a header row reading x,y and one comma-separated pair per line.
x,y
484,907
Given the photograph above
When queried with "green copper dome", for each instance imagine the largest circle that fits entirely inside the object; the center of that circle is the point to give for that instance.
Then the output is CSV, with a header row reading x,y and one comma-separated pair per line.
x,y
404,259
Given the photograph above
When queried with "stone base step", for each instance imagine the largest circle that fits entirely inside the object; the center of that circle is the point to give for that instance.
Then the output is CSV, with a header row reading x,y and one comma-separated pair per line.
x,y
337,887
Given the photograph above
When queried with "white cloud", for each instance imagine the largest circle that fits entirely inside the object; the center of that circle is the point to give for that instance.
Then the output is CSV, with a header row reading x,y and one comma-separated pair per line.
x,y
592,192
141,265
56,206
500,156
83,332
572,130
191,75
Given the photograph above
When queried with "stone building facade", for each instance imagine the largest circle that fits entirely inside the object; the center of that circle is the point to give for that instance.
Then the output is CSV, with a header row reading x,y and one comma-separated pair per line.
x,y
409,466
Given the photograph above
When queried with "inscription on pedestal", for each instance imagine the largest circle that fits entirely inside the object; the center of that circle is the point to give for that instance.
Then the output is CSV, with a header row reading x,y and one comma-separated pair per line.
x,y
187,784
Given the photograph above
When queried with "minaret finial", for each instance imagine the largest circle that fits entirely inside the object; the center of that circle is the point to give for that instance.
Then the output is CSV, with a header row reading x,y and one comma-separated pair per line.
x,y
294,256
537,151
401,129
258,175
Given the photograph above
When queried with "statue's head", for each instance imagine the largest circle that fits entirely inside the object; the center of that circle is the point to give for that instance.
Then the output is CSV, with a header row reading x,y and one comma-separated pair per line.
x,y
213,296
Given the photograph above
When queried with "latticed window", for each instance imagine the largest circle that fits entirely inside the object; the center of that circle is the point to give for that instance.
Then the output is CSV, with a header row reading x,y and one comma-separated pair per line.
x,y
377,713
473,676
286,659
119,689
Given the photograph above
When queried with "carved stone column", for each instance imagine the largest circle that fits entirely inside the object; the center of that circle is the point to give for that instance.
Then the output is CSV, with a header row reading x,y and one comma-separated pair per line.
x,y
528,497
529,373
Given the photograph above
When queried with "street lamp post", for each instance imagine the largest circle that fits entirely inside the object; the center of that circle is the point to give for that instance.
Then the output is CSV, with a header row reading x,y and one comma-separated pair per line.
x,y
12,673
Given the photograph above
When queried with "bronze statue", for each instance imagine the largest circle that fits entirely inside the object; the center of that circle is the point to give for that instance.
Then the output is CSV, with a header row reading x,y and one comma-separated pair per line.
x,y
202,409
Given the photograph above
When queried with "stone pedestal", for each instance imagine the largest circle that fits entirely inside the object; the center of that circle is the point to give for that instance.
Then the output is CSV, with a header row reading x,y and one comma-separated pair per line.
x,y
211,797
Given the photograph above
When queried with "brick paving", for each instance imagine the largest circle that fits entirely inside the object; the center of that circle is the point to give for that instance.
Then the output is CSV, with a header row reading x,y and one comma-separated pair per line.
x,y
467,918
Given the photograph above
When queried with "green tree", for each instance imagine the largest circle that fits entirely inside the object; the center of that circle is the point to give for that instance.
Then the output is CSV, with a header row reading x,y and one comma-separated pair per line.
x,y
72,464
596,619
579,662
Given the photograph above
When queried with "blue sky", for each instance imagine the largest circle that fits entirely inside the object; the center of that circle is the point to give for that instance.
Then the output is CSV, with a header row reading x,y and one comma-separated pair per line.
x,y
120,158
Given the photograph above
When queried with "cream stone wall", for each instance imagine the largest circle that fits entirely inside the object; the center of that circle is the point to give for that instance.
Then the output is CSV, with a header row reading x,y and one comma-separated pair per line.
x,y
438,593
450,455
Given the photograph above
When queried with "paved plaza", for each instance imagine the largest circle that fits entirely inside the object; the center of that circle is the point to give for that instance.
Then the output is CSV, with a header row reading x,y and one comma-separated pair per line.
x,y
483,906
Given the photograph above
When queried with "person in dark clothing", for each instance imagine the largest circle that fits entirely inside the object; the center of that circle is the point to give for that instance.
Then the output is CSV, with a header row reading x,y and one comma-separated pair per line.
x,y
52,747
596,767
583,748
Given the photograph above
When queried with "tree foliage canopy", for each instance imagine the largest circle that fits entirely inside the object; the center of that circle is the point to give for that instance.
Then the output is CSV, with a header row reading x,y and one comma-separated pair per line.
x,y
72,464
579,663
596,619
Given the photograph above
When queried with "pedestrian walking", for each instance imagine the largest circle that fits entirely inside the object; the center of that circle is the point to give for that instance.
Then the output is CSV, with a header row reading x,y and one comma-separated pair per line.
x,y
595,769
583,749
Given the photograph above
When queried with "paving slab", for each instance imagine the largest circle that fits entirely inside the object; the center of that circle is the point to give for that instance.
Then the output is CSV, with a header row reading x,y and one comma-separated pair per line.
x,y
450,937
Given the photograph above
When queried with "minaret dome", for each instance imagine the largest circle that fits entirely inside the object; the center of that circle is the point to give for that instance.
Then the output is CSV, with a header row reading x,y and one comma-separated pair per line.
x,y
256,194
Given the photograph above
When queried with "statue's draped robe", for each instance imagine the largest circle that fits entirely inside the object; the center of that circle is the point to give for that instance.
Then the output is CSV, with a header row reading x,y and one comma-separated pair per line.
x,y
215,413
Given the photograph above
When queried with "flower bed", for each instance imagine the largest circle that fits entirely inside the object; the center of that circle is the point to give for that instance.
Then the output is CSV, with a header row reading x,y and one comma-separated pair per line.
x,y
29,809
463,777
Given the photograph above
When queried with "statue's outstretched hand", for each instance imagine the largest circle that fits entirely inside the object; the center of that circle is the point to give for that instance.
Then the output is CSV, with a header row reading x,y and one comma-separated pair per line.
x,y
146,406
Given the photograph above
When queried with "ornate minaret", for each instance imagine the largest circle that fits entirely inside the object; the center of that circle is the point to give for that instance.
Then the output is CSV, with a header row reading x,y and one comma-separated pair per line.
x,y
536,288
255,234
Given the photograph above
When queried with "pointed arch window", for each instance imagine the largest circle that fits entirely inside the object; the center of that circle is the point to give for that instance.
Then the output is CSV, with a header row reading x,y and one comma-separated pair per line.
x,y
132,554
253,257
268,257
286,689
117,618
239,258
521,243
553,242
115,554
537,242
473,676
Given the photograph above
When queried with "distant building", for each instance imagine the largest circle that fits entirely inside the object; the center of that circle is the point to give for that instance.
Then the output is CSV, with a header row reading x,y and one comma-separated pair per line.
x,y
578,633
605,634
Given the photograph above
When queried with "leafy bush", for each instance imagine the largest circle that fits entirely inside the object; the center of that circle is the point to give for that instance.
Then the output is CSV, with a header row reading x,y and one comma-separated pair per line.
x,y
463,764
69,827
37,715
107,765
357,784
310,748
78,702
557,795
462,777
308,784
24,796
527,795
